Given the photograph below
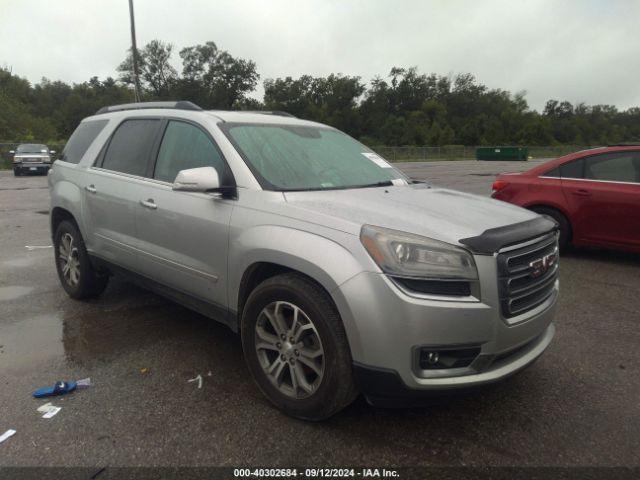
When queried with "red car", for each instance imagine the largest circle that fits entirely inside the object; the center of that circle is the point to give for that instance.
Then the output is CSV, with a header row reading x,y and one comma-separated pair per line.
x,y
594,195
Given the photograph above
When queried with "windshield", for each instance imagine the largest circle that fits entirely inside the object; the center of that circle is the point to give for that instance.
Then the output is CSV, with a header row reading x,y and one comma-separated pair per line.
x,y
32,148
287,157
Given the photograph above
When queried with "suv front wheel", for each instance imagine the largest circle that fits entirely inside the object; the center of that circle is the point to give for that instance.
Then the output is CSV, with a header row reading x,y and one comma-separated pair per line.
x,y
296,348
78,276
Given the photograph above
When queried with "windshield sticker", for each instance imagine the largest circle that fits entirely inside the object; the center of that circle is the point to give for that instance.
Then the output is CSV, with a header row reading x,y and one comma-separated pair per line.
x,y
377,159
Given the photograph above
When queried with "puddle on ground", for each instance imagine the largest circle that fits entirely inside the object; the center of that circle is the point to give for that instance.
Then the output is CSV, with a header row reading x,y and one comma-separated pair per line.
x,y
88,333
30,341
124,322
12,292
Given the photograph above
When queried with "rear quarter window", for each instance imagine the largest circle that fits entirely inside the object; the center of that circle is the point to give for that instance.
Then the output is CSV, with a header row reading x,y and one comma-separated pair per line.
x,y
574,169
130,146
81,140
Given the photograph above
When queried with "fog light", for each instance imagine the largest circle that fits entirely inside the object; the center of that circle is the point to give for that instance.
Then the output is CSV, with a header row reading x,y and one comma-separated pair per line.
x,y
440,358
433,357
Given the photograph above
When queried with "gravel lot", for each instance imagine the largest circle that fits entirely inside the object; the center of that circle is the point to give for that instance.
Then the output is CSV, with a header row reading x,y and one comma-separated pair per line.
x,y
578,405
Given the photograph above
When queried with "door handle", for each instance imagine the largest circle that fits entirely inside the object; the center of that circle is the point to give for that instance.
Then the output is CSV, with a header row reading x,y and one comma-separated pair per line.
x,y
582,192
148,204
90,188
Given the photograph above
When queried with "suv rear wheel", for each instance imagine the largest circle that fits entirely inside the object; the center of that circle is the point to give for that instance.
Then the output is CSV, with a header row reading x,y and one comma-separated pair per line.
x,y
78,276
296,348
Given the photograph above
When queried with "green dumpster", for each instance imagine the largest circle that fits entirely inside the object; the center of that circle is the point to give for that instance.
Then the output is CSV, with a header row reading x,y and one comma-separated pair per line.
x,y
502,153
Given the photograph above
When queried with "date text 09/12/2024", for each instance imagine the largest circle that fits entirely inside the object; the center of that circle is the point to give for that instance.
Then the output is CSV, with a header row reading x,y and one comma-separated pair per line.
x,y
315,473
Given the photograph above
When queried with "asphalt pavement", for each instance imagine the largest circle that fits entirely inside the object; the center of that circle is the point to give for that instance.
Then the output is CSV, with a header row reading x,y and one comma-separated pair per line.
x,y
579,404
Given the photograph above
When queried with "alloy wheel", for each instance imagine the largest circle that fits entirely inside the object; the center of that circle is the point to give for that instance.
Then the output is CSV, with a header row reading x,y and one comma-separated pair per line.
x,y
69,260
289,349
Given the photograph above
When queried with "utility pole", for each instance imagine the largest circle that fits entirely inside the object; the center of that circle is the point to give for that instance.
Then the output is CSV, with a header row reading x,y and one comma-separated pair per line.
x,y
134,53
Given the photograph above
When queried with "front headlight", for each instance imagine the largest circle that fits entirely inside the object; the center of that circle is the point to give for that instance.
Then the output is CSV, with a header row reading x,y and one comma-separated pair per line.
x,y
407,255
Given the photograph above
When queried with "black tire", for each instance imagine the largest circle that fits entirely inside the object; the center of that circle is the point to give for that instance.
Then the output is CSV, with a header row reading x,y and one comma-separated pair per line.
x,y
90,283
17,172
337,387
563,224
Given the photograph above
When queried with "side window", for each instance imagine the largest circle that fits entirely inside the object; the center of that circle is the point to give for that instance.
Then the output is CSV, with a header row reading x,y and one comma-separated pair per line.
x,y
573,169
615,167
130,146
187,146
553,173
81,140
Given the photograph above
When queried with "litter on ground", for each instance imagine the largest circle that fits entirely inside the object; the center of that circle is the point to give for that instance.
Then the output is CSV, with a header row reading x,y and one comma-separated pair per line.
x,y
58,388
6,435
197,379
49,410
84,383
36,247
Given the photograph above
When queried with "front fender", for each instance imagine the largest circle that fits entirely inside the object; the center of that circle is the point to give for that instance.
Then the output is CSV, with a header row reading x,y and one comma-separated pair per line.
x,y
326,261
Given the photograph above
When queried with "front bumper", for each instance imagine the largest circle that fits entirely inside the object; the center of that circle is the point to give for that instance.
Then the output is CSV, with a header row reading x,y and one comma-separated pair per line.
x,y
32,167
384,387
386,328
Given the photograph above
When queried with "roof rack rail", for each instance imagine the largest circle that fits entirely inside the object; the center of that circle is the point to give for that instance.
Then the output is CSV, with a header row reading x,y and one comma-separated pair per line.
x,y
179,105
625,144
277,113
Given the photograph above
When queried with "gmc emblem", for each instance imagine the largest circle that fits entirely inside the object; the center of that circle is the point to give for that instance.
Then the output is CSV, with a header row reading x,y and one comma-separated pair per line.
x,y
540,266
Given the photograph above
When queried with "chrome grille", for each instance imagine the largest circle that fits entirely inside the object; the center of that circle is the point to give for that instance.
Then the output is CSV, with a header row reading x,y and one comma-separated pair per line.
x,y
527,274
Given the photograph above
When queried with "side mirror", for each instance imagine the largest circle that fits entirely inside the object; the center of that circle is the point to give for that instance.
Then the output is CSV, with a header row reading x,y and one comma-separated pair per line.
x,y
12,152
203,179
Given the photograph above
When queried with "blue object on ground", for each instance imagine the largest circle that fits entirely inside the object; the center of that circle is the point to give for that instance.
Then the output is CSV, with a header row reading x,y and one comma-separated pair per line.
x,y
59,388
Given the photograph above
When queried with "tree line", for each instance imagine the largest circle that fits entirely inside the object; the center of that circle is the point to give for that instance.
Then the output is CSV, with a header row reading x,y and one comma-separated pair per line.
x,y
405,107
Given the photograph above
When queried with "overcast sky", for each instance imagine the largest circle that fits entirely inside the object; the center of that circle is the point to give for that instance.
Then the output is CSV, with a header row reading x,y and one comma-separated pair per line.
x,y
581,51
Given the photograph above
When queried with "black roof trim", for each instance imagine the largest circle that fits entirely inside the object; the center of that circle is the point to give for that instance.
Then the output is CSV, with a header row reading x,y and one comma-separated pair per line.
x,y
179,105
629,144
277,113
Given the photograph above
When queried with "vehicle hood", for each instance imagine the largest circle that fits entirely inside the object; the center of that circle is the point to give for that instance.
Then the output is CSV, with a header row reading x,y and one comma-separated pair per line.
x,y
438,213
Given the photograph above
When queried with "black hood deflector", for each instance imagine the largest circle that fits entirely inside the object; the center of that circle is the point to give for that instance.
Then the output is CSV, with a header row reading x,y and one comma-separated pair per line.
x,y
492,240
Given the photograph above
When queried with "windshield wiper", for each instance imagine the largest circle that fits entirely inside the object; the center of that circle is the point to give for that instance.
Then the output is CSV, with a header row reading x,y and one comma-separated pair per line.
x,y
386,183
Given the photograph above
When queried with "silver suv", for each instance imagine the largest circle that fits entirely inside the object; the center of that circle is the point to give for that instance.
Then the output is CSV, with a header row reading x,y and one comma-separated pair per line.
x,y
31,158
341,274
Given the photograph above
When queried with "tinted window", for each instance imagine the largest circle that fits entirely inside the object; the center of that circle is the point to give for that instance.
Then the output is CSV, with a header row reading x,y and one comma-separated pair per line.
x,y
572,169
617,167
81,140
553,173
187,146
130,146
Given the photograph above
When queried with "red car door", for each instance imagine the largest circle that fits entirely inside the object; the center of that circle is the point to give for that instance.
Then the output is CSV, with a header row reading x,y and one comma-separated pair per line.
x,y
603,192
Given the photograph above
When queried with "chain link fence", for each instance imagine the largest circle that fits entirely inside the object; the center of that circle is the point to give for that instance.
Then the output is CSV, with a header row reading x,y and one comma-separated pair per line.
x,y
461,152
